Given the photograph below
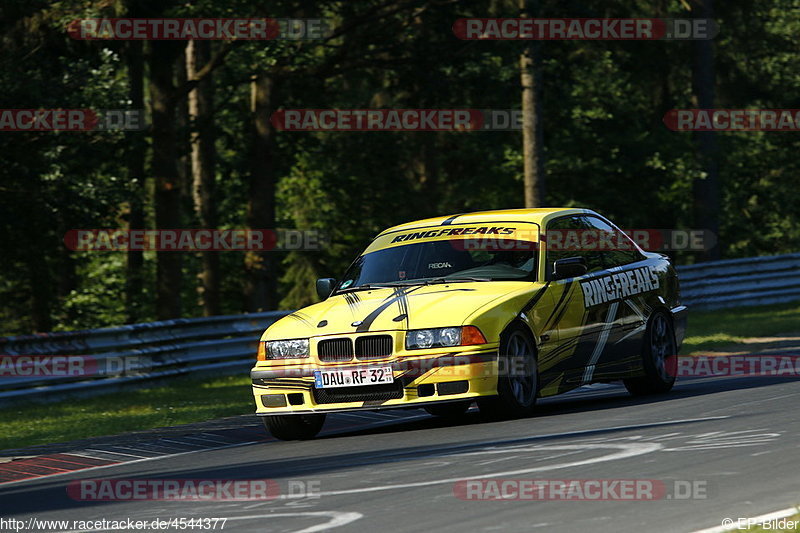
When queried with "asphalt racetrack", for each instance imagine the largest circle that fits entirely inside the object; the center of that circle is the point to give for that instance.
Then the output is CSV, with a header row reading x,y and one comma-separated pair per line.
x,y
735,442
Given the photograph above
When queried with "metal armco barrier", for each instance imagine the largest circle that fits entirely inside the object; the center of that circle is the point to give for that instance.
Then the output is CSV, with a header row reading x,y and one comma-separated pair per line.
x,y
741,282
228,343
114,356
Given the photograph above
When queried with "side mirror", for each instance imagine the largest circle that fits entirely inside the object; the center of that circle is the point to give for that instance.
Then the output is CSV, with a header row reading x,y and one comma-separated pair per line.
x,y
570,267
325,287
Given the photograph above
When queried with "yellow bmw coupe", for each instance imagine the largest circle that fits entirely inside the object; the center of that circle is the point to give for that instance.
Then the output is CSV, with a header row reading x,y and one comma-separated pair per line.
x,y
498,307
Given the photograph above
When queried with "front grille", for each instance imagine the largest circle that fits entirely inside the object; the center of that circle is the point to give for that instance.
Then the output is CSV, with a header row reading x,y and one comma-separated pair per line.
x,y
374,346
367,393
335,350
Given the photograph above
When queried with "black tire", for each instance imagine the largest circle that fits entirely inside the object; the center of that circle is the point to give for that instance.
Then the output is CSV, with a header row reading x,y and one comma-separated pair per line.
x,y
449,410
518,382
658,345
294,427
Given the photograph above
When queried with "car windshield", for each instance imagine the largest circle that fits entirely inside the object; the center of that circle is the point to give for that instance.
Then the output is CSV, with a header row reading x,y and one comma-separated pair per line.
x,y
441,261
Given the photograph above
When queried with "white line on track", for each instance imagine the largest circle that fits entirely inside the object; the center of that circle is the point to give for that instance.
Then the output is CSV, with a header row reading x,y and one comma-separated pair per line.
x,y
115,453
204,438
177,442
79,454
626,450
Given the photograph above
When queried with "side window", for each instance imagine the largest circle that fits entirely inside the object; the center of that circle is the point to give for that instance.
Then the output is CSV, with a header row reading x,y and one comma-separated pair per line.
x,y
564,238
615,247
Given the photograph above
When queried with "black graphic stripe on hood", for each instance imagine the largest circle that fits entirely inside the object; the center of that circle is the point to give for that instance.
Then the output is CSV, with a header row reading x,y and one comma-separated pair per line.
x,y
402,304
300,317
352,300
398,294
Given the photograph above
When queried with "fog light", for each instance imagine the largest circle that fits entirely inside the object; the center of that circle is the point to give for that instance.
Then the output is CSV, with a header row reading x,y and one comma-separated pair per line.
x,y
426,390
452,387
273,400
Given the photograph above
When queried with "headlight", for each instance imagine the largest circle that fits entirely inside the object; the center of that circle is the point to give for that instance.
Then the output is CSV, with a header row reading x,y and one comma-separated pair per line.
x,y
450,336
288,349
417,339
421,338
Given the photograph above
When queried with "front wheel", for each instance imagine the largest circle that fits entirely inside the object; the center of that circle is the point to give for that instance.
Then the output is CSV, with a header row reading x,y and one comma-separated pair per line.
x,y
658,346
518,382
294,427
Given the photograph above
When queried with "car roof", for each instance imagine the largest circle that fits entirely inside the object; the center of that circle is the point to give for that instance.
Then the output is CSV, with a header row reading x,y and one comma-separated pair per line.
x,y
539,215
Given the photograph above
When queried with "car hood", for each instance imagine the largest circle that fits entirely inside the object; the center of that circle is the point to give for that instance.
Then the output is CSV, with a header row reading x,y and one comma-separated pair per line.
x,y
413,307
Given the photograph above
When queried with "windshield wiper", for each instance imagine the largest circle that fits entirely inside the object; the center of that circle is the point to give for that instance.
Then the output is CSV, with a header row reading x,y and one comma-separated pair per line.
x,y
412,282
458,279
369,286
356,288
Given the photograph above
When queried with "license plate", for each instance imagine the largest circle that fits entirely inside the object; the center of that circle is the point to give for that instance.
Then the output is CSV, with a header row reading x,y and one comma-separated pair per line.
x,y
352,377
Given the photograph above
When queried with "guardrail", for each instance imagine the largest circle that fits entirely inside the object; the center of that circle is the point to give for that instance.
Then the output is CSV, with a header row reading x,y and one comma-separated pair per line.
x,y
125,354
741,282
153,350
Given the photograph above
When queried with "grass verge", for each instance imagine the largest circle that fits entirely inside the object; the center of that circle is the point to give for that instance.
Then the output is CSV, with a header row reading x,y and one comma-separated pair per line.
x,y
709,330
183,401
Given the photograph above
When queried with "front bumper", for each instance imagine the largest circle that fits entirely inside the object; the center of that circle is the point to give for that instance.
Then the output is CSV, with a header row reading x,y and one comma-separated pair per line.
x,y
418,380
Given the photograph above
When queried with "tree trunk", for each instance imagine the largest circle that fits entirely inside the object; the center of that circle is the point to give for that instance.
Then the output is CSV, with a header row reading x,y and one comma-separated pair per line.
x,y
260,280
182,133
41,290
201,109
134,278
532,145
705,190
161,61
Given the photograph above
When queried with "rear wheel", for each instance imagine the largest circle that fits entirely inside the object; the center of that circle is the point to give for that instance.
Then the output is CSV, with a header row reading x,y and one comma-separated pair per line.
x,y
518,382
294,427
658,346
449,410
